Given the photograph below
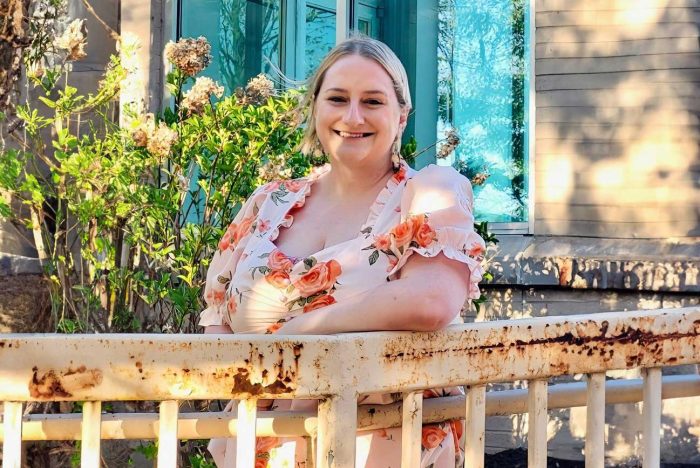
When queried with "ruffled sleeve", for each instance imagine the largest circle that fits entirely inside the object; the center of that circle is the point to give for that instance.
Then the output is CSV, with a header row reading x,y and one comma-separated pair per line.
x,y
436,216
225,260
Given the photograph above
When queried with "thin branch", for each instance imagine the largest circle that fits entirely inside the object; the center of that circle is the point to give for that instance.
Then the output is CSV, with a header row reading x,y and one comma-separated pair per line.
x,y
112,33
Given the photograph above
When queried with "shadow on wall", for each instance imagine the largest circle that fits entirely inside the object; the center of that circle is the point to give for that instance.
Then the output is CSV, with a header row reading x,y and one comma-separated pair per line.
x,y
617,120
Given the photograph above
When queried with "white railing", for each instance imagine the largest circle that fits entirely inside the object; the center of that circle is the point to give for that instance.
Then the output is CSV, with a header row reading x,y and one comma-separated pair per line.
x,y
336,370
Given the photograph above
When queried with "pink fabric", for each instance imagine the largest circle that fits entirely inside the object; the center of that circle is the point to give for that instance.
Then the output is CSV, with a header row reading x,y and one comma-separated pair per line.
x,y
254,288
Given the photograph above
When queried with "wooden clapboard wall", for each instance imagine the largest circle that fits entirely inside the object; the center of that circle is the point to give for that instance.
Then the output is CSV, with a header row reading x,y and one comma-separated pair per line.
x,y
618,118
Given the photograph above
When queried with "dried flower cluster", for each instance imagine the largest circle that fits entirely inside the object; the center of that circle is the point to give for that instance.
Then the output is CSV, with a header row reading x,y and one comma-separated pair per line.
x,y
73,40
200,94
189,55
451,142
480,178
158,140
274,169
257,90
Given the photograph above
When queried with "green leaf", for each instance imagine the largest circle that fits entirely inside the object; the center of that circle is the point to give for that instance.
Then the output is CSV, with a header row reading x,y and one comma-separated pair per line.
x,y
48,102
374,257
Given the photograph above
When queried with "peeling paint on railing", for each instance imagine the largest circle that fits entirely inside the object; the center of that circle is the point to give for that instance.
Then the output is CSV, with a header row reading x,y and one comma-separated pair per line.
x,y
337,369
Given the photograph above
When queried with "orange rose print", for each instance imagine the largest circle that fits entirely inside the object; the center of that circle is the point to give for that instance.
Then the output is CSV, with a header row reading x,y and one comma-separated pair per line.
x,y
261,462
263,225
393,261
457,427
320,277
278,278
229,236
243,229
294,185
400,175
403,233
321,301
425,235
264,444
231,305
215,297
272,186
476,250
279,261
382,242
274,327
432,436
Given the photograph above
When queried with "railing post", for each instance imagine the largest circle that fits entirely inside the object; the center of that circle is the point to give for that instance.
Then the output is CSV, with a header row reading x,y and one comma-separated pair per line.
x,y
91,433
595,420
475,429
411,429
167,434
12,445
337,426
245,438
537,424
651,412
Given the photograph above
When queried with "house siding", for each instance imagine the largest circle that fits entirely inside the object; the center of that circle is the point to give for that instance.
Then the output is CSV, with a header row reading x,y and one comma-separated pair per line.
x,y
617,119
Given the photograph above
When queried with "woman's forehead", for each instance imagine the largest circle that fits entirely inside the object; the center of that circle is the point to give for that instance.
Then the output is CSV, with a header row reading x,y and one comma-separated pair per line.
x,y
357,73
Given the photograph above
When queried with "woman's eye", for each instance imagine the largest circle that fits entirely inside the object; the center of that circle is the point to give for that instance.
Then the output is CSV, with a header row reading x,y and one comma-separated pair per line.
x,y
374,102
336,99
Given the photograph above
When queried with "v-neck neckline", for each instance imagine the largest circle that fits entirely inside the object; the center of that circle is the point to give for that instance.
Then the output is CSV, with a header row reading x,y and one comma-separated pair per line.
x,y
375,209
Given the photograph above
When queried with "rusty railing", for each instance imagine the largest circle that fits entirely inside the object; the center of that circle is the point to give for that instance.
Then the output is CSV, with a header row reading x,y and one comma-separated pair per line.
x,y
336,370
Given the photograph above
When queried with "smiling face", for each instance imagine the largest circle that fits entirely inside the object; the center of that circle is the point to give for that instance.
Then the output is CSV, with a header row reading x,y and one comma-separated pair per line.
x,y
357,112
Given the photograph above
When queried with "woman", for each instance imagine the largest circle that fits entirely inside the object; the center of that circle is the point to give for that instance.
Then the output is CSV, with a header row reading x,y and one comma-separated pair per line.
x,y
283,268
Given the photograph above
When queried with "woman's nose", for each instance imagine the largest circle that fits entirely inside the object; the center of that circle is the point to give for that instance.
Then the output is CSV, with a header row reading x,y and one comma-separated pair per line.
x,y
353,115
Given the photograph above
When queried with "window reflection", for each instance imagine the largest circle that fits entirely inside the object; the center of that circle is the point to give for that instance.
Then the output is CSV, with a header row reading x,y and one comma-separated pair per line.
x,y
320,36
482,78
244,35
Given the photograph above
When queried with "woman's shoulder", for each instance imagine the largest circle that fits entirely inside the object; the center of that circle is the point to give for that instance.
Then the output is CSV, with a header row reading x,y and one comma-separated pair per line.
x,y
433,176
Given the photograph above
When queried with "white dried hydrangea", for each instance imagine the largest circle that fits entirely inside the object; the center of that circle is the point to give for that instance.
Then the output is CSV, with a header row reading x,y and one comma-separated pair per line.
x,y
162,139
200,94
73,40
259,89
157,139
451,142
189,55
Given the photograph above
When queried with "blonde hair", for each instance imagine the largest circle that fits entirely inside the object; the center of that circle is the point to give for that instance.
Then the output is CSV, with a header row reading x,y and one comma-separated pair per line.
x,y
366,47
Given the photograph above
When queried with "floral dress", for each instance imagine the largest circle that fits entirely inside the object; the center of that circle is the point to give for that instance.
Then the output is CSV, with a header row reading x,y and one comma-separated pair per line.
x,y
254,287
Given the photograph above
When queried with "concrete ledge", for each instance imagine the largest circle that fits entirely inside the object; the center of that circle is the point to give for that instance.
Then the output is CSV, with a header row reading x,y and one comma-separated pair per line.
x,y
11,265
593,263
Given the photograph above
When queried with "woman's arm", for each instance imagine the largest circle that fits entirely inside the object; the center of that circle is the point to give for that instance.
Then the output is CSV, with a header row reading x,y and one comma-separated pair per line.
x,y
427,296
217,329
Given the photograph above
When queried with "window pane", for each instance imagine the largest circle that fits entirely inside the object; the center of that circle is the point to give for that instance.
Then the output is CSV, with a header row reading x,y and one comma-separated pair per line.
x,y
482,90
320,36
244,36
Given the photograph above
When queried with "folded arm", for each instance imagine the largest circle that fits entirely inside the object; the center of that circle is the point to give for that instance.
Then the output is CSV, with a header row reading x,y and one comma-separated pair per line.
x,y
427,296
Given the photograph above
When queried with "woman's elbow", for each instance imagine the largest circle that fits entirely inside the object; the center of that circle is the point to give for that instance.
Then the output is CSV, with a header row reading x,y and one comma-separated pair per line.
x,y
436,311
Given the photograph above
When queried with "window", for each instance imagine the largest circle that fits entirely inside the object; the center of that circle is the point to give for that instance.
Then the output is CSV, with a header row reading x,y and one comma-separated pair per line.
x,y
245,36
467,61
483,84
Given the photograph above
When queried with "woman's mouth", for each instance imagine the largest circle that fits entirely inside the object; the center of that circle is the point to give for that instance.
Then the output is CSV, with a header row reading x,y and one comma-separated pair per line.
x,y
352,134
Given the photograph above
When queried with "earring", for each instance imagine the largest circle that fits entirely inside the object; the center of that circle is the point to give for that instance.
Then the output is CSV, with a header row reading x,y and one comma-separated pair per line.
x,y
318,149
396,154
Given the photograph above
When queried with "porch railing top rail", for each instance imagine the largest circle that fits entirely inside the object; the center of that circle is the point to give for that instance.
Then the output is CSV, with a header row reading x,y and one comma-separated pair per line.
x,y
43,367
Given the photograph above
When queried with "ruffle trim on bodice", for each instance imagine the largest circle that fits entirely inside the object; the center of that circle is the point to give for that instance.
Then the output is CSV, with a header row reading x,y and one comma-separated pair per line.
x,y
404,173
465,246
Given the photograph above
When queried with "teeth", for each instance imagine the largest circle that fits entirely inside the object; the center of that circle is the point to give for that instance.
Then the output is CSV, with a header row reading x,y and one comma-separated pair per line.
x,y
350,135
